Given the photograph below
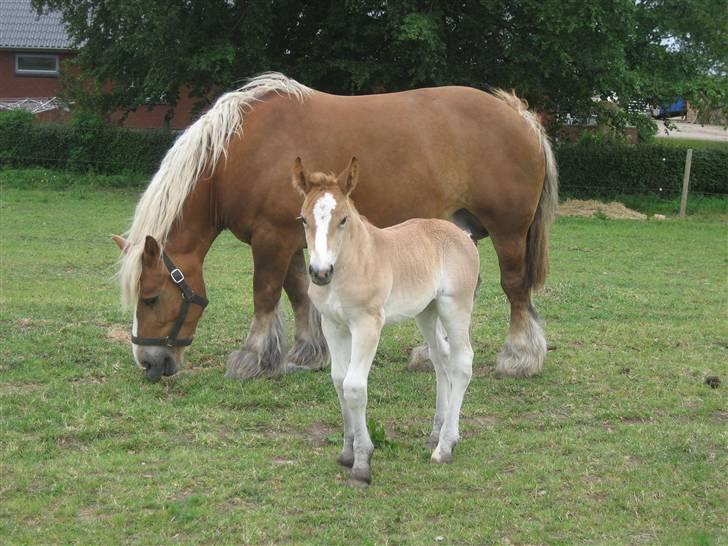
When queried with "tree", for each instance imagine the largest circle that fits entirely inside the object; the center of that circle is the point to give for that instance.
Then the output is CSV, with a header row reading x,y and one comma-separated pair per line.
x,y
558,54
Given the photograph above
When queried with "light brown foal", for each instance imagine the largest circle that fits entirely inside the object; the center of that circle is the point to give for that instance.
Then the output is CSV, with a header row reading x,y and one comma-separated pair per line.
x,y
364,277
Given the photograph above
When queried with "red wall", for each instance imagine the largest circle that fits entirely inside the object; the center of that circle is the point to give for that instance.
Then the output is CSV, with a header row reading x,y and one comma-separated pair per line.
x,y
20,87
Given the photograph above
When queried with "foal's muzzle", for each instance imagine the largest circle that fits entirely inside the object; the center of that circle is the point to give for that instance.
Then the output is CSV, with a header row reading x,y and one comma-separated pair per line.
x,y
321,276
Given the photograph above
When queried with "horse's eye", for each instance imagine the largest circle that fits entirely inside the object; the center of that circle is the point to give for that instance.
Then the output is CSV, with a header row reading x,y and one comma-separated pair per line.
x,y
343,221
150,301
303,220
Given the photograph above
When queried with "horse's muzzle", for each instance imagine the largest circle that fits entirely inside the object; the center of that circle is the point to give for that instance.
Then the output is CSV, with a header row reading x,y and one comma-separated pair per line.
x,y
154,370
321,277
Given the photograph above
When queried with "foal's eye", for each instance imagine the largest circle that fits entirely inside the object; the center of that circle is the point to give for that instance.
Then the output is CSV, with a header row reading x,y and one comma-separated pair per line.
x,y
150,301
303,221
343,221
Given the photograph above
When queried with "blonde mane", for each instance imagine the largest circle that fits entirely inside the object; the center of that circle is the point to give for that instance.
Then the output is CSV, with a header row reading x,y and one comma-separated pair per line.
x,y
197,149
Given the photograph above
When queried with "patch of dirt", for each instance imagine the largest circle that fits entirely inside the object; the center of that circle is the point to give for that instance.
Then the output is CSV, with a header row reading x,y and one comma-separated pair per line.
x,y
589,208
118,334
719,416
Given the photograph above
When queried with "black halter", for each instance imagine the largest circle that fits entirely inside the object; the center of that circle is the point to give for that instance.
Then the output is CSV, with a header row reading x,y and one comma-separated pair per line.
x,y
188,298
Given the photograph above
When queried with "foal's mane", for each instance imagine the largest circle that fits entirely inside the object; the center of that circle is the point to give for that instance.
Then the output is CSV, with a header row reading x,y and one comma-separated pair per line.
x,y
196,151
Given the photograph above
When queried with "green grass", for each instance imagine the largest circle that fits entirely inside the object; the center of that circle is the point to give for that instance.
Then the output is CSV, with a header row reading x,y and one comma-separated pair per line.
x,y
620,441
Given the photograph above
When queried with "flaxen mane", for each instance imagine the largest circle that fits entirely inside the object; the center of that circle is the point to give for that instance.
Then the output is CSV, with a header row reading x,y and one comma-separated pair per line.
x,y
197,149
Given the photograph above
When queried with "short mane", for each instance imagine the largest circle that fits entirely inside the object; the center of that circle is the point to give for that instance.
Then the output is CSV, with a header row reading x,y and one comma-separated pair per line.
x,y
196,150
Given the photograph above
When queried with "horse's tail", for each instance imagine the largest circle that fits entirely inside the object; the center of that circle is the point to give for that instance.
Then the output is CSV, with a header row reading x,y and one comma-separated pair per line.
x,y
537,241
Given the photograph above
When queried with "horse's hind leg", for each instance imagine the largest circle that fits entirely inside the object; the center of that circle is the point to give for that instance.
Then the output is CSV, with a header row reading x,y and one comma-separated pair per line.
x,y
309,351
455,313
262,353
438,352
525,348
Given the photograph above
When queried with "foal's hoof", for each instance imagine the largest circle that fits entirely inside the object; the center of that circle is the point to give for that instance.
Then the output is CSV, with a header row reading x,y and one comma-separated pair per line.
x,y
351,482
347,461
360,477
440,457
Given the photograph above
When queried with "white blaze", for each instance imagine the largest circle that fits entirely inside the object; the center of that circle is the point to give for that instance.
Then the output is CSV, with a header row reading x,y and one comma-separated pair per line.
x,y
322,217
134,333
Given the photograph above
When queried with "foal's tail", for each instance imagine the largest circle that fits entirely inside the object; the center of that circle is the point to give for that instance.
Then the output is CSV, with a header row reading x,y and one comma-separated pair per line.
x,y
537,241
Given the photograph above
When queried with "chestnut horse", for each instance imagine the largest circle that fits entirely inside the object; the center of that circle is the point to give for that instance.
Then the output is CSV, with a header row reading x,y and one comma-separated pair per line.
x,y
456,153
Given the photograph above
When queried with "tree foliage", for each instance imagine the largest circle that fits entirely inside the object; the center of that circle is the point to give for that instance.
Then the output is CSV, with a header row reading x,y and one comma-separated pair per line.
x,y
558,54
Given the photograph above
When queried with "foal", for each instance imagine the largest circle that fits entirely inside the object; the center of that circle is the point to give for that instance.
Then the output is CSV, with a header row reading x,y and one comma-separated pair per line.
x,y
363,277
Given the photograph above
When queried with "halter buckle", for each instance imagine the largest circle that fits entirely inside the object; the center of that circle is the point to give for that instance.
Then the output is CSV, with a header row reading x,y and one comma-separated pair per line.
x,y
177,276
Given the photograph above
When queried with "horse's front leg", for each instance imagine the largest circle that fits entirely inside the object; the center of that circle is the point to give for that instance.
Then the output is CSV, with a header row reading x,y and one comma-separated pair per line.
x,y
364,340
262,353
309,351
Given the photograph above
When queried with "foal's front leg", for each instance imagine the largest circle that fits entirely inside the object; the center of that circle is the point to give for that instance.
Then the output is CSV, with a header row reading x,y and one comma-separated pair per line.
x,y
364,340
339,339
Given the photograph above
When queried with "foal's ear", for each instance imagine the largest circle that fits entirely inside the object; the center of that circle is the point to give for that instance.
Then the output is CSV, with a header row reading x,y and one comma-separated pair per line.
x,y
349,177
152,253
121,243
300,177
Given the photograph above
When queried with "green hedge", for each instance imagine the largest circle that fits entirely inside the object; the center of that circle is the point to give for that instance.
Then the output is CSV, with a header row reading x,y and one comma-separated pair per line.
x,y
588,169
84,145
604,169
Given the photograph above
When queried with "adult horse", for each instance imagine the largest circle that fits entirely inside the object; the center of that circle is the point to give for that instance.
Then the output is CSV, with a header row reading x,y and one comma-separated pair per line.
x,y
482,160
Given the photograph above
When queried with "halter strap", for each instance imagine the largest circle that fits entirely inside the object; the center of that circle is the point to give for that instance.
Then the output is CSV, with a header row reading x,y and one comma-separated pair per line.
x,y
188,298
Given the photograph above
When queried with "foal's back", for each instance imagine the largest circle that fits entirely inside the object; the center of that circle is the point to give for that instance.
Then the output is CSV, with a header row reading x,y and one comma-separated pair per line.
x,y
428,259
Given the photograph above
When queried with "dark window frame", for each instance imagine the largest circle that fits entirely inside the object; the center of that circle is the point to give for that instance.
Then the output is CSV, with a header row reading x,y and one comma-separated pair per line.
x,y
19,71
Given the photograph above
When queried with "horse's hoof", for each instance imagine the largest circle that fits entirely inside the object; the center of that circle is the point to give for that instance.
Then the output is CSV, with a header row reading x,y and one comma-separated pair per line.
x,y
347,461
307,355
243,364
419,360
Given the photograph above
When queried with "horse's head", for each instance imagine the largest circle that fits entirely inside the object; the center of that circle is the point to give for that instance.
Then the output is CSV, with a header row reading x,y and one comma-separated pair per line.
x,y
324,215
171,298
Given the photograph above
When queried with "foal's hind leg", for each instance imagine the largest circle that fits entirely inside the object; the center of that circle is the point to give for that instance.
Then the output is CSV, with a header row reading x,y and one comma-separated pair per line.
x,y
525,348
262,353
455,312
309,351
438,352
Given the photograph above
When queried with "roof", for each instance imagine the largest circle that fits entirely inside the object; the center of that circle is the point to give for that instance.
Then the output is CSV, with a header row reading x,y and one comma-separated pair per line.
x,y
22,28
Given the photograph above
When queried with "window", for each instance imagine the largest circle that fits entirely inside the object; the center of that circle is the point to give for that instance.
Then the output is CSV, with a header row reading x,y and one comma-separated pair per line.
x,y
36,65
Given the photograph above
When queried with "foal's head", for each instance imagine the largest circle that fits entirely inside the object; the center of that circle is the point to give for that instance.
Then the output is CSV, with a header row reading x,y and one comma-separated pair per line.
x,y
169,305
324,214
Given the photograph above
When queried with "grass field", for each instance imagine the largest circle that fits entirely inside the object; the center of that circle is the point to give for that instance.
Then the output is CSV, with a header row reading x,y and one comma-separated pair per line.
x,y
620,441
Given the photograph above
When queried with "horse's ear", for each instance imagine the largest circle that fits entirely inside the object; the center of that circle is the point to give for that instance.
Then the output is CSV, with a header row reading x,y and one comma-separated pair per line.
x,y
349,177
122,243
151,252
300,177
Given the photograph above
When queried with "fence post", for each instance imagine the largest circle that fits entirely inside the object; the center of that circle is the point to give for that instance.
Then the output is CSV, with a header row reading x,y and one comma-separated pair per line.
x,y
686,183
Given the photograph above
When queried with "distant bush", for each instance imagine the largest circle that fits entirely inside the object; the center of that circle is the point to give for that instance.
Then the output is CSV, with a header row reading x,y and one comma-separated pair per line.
x,y
600,169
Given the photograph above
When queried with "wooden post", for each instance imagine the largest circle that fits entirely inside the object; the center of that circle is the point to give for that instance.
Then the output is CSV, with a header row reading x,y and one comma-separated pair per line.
x,y
686,183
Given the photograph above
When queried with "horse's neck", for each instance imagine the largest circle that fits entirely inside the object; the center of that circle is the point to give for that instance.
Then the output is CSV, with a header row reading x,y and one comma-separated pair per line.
x,y
197,229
